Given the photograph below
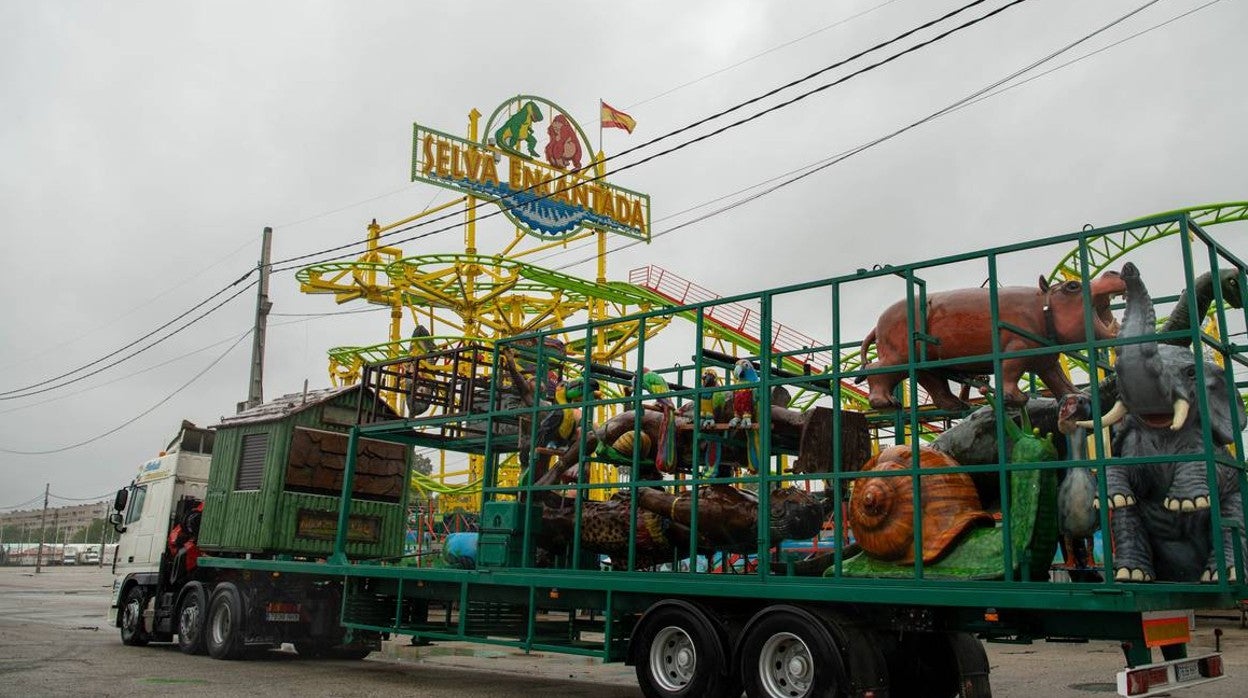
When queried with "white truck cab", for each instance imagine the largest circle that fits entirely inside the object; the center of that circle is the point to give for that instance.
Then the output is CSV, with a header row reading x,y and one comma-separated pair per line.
x,y
144,509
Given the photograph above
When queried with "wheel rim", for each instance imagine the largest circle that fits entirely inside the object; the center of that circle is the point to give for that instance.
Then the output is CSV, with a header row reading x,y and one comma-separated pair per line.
x,y
785,666
673,659
221,622
130,620
188,621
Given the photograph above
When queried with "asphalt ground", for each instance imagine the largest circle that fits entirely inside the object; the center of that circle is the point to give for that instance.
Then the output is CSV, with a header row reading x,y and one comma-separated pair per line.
x,y
55,641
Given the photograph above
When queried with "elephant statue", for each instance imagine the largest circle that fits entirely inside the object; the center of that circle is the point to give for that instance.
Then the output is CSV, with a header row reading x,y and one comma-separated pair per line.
x,y
958,324
1161,522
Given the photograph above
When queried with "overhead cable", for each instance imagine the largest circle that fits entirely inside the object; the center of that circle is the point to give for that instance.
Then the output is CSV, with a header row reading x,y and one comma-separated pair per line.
x,y
504,206
137,417
201,316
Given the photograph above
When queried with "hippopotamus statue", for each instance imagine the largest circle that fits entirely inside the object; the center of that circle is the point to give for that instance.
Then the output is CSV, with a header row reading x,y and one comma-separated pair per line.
x,y
958,324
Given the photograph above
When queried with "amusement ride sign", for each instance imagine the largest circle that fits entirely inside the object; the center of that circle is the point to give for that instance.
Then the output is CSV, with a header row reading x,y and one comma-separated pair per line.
x,y
551,192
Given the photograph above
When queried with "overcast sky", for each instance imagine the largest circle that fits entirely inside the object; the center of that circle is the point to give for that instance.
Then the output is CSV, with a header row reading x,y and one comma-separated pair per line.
x,y
146,144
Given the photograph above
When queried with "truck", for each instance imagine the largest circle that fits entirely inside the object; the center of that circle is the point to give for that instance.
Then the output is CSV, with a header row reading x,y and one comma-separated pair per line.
x,y
662,523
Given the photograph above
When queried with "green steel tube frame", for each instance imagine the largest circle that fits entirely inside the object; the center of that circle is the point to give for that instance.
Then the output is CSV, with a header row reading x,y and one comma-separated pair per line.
x,y
1091,600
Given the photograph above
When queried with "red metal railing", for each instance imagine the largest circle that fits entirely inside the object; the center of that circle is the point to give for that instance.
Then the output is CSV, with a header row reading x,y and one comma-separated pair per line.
x,y
733,316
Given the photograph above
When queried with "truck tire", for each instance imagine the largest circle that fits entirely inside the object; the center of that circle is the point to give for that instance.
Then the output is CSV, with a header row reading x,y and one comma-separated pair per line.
x,y
973,666
226,620
680,655
787,653
191,618
134,630
941,665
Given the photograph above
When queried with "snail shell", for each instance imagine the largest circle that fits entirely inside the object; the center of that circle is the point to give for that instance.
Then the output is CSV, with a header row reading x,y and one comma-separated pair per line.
x,y
881,510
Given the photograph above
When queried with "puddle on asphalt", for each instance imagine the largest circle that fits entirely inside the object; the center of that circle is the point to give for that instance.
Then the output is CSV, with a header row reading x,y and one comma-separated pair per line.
x,y
1094,687
411,652
162,681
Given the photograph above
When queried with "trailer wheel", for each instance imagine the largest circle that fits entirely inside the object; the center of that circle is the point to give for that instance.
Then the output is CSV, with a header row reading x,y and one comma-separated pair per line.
x,y
192,614
972,666
790,654
679,654
134,630
225,623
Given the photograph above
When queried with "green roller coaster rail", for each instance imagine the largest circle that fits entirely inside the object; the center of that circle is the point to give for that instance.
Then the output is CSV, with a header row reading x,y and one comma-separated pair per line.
x,y
1106,249
388,350
751,345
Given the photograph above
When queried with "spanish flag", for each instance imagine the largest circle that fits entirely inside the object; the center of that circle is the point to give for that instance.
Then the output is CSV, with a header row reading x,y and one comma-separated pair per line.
x,y
614,118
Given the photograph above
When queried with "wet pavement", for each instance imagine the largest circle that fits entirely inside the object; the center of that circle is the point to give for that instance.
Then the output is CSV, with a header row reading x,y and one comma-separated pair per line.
x,y
55,640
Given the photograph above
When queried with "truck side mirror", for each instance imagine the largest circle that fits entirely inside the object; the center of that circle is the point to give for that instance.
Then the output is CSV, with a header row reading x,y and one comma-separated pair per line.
x,y
119,502
115,519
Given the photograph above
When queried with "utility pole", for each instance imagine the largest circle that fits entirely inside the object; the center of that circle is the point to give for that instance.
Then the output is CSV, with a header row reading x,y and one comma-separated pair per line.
x,y
103,532
43,518
255,387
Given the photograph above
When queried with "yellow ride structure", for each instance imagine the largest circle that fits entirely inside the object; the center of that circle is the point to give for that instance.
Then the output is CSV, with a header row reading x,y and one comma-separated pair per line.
x,y
442,301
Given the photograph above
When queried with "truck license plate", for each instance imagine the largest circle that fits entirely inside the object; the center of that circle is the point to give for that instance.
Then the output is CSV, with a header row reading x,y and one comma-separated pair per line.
x,y
1187,671
277,612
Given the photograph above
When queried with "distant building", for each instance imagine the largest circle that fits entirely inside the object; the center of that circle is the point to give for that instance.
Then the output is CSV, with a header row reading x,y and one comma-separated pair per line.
x,y
69,519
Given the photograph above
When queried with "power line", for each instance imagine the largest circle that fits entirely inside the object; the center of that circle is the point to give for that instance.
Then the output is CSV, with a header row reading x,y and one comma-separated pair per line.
x,y
680,146
201,316
27,390
98,499
118,379
844,155
756,56
308,317
140,339
1090,54
139,416
151,299
504,206
33,500
339,312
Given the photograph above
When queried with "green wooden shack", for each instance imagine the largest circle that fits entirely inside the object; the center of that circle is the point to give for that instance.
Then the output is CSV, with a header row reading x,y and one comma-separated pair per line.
x,y
276,479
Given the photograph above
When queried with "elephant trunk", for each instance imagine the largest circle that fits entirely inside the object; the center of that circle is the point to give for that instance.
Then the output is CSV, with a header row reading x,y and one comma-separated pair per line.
x,y
1142,387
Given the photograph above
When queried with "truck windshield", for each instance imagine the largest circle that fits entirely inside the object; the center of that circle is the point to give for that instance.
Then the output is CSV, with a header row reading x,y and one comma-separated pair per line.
x,y
137,495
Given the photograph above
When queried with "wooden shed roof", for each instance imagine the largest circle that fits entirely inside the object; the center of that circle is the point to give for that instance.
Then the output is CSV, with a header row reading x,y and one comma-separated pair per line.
x,y
289,404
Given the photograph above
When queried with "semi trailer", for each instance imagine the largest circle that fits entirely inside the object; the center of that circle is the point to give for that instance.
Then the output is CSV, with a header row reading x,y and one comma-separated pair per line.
x,y
667,524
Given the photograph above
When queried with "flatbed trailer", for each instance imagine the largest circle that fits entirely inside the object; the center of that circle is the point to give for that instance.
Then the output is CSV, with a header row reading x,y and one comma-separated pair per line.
x,y
854,627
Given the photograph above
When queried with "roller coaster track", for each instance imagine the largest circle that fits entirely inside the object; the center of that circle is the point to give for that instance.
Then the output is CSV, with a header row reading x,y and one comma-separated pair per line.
x,y
1106,249
739,324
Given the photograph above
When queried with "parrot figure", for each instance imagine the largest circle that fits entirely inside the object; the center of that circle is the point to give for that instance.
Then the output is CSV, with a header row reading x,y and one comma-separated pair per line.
x,y
743,400
559,427
744,409
709,401
654,384
707,404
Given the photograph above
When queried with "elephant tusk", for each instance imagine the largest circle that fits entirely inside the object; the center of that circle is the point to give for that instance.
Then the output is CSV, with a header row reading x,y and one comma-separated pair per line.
x,y
1113,416
1181,407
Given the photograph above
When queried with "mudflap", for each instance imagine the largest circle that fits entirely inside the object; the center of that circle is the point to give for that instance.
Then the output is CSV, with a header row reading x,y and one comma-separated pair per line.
x,y
972,666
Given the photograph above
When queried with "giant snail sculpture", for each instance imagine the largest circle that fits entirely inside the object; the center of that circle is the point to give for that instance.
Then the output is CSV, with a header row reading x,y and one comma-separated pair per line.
x,y
881,510
959,536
